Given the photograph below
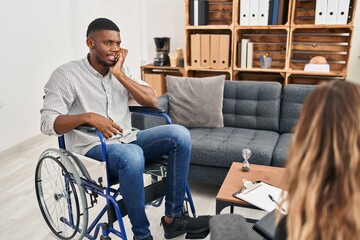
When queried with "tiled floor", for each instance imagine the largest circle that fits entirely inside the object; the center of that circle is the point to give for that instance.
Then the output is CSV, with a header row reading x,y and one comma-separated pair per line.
x,y
20,217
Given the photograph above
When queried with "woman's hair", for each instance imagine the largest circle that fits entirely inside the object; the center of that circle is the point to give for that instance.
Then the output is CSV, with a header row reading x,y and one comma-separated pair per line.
x,y
323,168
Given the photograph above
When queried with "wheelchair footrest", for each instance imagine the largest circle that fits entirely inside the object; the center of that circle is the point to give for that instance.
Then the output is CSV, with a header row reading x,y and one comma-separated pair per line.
x,y
152,192
155,191
112,214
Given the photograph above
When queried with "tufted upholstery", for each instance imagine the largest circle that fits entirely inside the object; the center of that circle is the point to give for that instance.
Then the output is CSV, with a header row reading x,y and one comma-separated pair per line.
x,y
293,99
259,115
254,105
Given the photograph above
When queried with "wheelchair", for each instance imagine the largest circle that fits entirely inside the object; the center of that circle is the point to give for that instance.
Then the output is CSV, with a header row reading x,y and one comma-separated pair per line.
x,y
66,190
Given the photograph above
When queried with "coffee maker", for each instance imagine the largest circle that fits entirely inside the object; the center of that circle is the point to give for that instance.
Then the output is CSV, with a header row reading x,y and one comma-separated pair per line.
x,y
162,51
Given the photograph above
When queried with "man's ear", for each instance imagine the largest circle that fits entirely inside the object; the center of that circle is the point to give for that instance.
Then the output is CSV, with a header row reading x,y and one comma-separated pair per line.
x,y
90,43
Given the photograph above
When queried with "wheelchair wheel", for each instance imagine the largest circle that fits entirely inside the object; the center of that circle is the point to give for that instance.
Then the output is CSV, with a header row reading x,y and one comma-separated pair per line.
x,y
60,195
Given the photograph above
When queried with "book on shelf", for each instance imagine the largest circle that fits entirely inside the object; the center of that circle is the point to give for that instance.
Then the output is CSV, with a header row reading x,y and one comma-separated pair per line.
x,y
249,57
245,53
243,60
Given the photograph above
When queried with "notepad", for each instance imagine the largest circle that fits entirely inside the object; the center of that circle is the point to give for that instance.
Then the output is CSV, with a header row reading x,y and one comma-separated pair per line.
x,y
259,196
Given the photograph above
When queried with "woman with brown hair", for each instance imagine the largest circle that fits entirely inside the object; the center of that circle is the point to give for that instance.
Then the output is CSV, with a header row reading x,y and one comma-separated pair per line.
x,y
323,168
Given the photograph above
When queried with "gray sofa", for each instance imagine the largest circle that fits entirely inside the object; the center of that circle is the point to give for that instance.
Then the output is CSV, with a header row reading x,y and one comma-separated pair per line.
x,y
257,115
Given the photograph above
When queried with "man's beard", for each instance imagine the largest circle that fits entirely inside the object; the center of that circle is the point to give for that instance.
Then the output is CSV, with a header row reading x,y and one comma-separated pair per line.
x,y
105,64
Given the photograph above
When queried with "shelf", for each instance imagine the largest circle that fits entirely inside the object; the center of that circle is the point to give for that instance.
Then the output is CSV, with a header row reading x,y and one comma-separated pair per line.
x,y
209,27
271,41
209,73
269,70
311,79
331,73
209,69
155,76
331,43
321,26
260,76
259,27
304,13
291,44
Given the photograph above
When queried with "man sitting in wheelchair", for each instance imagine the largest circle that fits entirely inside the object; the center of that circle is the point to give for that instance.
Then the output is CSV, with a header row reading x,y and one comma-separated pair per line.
x,y
95,91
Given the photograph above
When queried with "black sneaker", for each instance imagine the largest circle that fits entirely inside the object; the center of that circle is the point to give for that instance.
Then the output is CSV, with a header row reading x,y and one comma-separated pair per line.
x,y
184,224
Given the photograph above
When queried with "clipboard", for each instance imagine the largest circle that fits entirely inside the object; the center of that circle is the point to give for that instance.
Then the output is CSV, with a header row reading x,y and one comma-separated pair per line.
x,y
261,195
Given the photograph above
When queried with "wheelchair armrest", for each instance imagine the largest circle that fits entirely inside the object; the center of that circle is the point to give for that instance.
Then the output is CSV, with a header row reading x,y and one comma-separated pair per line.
x,y
141,109
86,128
159,112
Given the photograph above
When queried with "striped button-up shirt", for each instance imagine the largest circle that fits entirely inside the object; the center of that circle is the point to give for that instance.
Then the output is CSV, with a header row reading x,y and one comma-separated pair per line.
x,y
76,88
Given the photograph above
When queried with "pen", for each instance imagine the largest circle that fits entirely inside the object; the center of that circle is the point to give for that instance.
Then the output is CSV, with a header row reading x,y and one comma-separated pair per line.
x,y
277,204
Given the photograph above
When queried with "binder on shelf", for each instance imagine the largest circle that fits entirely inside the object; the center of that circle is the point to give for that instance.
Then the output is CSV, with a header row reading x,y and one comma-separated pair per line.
x,y
244,43
244,12
343,12
331,11
281,12
271,6
249,58
254,11
275,12
199,12
320,11
215,50
224,51
204,50
195,50
238,57
263,12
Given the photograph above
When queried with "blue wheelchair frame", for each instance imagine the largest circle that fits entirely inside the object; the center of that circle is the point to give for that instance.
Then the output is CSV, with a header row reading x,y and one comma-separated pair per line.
x,y
109,193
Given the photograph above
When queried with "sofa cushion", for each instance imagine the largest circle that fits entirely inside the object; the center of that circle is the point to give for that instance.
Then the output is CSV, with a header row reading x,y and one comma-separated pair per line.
x,y
292,101
219,147
196,102
281,150
253,105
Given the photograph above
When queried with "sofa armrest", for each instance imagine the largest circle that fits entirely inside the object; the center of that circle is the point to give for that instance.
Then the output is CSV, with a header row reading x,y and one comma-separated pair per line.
x,y
142,121
228,226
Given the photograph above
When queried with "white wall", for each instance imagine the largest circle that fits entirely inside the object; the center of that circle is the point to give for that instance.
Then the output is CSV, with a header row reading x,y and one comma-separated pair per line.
x,y
36,36
39,35
163,18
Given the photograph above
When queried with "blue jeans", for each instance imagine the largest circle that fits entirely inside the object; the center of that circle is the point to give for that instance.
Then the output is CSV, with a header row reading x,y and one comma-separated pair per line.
x,y
127,161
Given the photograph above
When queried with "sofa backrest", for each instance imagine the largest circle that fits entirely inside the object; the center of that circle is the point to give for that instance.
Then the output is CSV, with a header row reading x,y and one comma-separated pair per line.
x,y
254,105
293,98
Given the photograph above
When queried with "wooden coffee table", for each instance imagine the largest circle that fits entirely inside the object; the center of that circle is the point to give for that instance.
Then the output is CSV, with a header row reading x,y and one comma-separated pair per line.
x,y
233,182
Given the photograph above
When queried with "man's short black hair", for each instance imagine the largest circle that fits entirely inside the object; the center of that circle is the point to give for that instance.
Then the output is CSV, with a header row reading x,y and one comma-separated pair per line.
x,y
101,24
